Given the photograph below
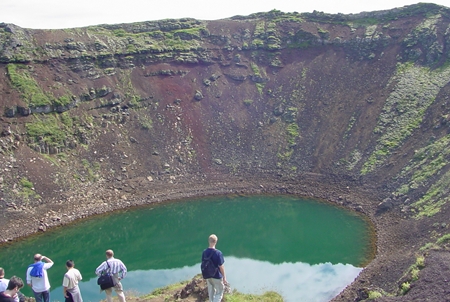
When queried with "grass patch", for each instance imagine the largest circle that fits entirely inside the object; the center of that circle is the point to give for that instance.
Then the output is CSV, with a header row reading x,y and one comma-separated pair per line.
x,y
405,287
293,132
27,86
145,122
374,295
260,87
433,200
426,165
126,85
91,170
444,239
48,130
404,109
167,293
248,102
25,183
27,191
266,297
51,159
429,246
286,155
412,274
257,73
62,100
30,91
164,291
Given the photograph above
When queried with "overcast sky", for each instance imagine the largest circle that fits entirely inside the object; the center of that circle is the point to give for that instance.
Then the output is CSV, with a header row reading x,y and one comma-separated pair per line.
x,y
46,14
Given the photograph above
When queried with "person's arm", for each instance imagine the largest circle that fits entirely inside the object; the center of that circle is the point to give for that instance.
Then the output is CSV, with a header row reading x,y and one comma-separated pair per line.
x,y
65,284
100,269
29,276
222,271
123,268
48,260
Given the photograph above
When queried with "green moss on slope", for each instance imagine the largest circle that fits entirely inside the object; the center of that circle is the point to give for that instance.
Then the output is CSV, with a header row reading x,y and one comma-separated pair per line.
x,y
49,130
415,90
426,163
425,167
29,89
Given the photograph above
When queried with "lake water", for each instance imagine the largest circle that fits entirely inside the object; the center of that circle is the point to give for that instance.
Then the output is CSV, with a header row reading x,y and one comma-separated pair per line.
x,y
306,250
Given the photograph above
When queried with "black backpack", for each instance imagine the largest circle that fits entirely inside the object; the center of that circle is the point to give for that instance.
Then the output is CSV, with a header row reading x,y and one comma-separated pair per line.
x,y
209,270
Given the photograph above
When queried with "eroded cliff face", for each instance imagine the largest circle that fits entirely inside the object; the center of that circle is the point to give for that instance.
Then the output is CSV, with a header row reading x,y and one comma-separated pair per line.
x,y
107,113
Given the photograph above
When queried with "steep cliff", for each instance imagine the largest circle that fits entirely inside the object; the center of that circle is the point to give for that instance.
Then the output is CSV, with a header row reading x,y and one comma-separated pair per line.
x,y
350,108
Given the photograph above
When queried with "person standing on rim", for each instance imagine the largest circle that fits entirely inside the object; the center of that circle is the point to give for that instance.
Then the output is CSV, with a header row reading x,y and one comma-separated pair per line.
x,y
216,284
4,284
3,280
12,291
115,267
71,290
37,278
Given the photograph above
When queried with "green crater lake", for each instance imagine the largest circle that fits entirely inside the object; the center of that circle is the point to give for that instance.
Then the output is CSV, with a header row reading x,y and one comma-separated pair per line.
x,y
305,250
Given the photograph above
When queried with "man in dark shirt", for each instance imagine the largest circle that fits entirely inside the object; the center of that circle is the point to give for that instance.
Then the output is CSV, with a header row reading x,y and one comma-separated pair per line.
x,y
216,283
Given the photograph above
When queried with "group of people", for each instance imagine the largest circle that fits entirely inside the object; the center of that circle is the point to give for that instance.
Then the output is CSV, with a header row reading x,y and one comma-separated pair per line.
x,y
37,278
9,288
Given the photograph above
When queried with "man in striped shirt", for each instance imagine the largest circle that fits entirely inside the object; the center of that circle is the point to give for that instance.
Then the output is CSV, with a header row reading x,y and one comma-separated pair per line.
x,y
118,271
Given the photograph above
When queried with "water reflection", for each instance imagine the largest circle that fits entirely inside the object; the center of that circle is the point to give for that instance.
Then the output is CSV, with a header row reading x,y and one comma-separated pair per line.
x,y
294,281
279,233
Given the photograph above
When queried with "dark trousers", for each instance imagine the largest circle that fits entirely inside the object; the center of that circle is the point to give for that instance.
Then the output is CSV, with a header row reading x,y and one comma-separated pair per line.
x,y
69,299
42,296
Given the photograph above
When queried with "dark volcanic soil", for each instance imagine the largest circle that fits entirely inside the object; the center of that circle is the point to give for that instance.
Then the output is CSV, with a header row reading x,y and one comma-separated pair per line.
x,y
353,110
391,229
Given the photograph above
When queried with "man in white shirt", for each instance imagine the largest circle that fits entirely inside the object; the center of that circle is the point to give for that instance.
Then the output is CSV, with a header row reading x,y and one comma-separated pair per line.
x,y
118,270
3,281
70,282
37,278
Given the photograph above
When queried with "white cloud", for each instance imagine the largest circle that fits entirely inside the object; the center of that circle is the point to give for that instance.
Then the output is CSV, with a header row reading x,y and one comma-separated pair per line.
x,y
295,281
63,14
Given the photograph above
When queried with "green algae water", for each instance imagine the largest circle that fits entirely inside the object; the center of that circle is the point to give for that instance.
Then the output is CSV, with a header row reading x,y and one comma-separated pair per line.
x,y
306,250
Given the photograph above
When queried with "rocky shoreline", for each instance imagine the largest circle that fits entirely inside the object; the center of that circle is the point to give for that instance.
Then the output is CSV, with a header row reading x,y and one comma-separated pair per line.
x,y
347,109
105,197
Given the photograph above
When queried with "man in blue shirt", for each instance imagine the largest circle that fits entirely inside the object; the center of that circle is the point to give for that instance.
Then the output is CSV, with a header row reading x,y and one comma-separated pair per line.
x,y
216,283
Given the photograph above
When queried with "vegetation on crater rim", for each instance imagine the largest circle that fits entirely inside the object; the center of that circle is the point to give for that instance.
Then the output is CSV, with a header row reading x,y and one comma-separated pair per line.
x,y
358,98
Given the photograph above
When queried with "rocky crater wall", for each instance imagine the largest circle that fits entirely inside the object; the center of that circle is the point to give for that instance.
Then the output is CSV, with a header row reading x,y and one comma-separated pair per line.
x,y
353,109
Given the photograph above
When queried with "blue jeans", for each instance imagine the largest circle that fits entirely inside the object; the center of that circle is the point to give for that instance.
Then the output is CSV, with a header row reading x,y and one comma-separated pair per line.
x,y
42,296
